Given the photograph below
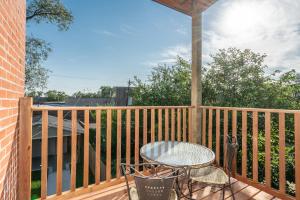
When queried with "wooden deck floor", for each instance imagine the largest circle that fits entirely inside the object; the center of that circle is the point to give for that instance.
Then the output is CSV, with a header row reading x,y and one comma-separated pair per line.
x,y
241,191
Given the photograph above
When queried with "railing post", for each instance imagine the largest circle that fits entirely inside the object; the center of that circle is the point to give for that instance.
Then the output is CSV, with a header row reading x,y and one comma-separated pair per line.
x,y
25,148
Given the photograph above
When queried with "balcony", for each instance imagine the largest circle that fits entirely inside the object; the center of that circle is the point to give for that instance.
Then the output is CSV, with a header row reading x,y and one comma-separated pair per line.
x,y
118,133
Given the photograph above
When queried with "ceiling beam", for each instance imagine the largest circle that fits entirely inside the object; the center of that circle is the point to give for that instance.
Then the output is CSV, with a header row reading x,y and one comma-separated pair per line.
x,y
186,6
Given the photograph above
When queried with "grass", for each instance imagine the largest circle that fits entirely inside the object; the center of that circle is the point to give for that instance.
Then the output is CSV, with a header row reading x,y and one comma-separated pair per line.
x,y
36,185
36,180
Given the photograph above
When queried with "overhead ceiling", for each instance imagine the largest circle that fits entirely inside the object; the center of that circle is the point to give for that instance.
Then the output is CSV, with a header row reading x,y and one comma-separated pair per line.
x,y
186,6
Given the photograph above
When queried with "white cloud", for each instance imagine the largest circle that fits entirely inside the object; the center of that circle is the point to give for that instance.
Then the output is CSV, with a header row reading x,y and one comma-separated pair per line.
x,y
169,55
105,33
265,26
125,28
181,31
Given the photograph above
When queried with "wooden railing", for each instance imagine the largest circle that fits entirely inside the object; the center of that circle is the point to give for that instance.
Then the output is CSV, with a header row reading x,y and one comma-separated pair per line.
x,y
139,125
121,131
259,132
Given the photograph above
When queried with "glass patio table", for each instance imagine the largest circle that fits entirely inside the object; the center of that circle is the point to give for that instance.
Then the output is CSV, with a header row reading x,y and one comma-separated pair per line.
x,y
178,154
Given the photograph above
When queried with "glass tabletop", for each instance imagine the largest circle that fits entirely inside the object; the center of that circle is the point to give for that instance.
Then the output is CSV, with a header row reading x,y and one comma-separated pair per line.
x,y
178,154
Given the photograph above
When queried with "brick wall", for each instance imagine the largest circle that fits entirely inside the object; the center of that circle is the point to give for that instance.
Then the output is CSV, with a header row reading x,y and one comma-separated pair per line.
x,y
12,58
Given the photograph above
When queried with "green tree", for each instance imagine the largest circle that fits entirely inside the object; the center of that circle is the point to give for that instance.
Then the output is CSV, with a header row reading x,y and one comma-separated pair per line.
x,y
80,94
37,50
106,92
54,95
103,92
237,78
233,78
167,85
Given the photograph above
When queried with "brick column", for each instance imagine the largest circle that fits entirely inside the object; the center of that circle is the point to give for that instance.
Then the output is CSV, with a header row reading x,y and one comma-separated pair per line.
x,y
12,61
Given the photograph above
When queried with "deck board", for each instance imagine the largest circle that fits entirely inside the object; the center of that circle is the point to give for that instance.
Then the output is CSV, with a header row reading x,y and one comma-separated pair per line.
x,y
241,191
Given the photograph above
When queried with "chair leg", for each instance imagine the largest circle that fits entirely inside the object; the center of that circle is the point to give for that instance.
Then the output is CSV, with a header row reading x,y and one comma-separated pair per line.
x,y
223,196
232,192
190,186
177,188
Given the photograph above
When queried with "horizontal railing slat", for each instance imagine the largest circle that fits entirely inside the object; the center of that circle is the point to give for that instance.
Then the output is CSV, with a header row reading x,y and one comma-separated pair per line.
x,y
251,109
54,108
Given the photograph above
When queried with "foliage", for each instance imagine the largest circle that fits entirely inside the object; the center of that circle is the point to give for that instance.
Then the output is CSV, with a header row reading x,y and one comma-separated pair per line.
x,y
36,184
167,85
49,11
237,78
233,78
81,94
54,95
114,136
37,50
103,92
106,92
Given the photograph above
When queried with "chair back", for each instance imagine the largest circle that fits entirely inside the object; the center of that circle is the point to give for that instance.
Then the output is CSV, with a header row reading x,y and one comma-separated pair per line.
x,y
154,188
156,184
232,147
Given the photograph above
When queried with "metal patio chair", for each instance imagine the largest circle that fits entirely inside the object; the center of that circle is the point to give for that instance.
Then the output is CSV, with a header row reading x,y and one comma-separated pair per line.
x,y
213,175
155,183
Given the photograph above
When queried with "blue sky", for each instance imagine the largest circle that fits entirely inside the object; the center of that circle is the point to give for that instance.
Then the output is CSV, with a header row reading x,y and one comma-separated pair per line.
x,y
112,41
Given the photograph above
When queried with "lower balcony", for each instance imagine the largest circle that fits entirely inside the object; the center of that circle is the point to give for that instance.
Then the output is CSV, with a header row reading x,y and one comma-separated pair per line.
x,y
87,159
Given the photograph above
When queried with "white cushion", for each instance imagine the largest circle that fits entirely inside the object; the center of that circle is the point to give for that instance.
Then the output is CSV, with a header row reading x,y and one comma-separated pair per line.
x,y
173,195
133,193
210,174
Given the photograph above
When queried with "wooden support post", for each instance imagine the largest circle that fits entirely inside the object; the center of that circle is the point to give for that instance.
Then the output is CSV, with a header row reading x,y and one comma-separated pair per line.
x,y
25,148
196,72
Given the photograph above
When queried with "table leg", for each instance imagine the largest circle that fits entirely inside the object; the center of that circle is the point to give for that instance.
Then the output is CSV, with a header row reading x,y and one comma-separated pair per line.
x,y
180,184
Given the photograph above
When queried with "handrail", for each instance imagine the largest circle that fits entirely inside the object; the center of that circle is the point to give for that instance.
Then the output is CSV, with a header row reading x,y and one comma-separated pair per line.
x,y
251,109
55,108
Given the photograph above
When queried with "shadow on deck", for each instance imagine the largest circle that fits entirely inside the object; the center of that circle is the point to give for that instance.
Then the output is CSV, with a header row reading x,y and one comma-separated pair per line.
x,y
241,191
